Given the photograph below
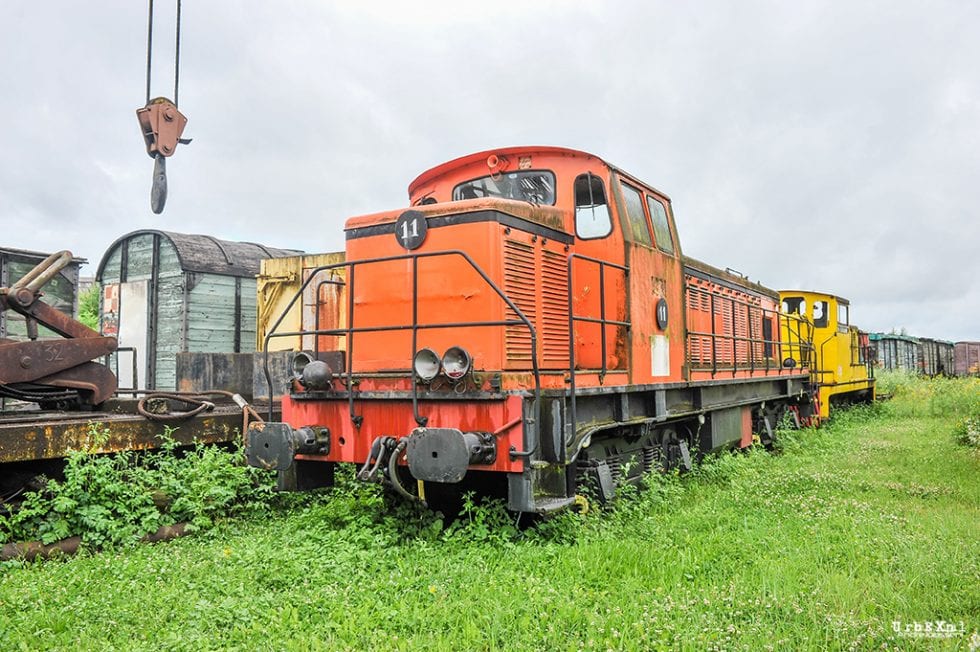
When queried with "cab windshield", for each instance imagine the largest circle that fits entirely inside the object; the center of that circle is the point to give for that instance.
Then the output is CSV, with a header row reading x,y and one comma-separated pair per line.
x,y
537,187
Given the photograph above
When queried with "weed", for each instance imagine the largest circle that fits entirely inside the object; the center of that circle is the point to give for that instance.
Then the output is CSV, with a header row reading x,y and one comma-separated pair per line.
x,y
88,306
940,397
482,521
968,432
110,500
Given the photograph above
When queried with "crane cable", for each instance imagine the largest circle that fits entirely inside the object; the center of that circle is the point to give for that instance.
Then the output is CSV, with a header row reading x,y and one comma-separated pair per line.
x,y
160,120
149,54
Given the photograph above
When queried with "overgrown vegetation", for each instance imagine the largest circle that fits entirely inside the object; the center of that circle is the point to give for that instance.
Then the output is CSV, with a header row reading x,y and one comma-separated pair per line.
x,y
110,500
955,398
939,397
88,306
870,521
969,432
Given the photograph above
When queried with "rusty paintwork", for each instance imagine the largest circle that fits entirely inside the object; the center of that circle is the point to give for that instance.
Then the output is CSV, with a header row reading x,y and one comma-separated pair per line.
x,y
321,306
49,362
45,435
967,358
162,126
551,217
27,361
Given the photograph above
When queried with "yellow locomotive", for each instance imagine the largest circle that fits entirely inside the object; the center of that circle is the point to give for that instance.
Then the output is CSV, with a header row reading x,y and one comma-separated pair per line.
x,y
838,354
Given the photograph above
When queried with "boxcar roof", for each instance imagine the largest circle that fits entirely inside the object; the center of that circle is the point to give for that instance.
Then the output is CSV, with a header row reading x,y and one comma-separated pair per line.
x,y
210,255
27,253
892,336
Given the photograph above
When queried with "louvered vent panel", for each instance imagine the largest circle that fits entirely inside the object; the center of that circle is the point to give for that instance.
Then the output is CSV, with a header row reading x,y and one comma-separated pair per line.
x,y
693,299
519,279
742,333
758,348
554,305
694,353
724,349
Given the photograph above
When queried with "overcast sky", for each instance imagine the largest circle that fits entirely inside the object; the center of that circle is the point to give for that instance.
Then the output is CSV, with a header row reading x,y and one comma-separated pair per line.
x,y
825,145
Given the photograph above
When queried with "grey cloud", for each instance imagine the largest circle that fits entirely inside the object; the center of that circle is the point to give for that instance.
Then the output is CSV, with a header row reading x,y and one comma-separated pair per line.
x,y
828,145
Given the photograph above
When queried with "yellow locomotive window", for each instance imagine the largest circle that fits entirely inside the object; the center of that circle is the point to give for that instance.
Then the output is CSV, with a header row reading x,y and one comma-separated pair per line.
x,y
794,306
661,229
842,317
820,314
634,211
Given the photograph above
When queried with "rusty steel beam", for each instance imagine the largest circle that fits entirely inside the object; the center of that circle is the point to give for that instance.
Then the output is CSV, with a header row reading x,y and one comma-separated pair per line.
x,y
37,435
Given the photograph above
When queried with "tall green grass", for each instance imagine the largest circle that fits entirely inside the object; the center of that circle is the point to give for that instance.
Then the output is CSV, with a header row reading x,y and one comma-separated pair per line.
x,y
914,395
846,530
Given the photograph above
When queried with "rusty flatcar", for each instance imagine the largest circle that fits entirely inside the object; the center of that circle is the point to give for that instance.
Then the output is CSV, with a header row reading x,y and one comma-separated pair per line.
x,y
530,323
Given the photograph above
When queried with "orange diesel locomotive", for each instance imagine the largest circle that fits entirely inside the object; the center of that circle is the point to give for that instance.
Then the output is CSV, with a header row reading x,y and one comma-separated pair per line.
x,y
529,323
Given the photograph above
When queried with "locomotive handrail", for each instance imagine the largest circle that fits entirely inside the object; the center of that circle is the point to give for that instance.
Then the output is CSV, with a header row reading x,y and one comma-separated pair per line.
x,y
602,321
351,329
775,346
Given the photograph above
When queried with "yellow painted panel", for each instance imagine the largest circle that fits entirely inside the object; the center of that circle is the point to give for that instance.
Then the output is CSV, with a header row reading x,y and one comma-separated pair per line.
x,y
278,282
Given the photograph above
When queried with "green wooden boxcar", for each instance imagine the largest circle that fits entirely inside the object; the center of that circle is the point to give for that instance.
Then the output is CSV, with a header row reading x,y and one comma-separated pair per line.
x,y
165,292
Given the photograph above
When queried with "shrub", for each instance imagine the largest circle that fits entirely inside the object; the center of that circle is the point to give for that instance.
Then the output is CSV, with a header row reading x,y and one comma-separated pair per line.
x,y
110,500
968,432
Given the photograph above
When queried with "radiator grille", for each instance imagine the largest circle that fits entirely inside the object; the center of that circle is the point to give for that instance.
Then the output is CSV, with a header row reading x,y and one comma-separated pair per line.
x,y
554,309
519,286
536,280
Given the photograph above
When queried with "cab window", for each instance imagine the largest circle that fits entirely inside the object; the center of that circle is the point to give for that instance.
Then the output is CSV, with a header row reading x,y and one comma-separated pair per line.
x,y
537,187
634,212
661,228
592,219
794,306
820,315
842,316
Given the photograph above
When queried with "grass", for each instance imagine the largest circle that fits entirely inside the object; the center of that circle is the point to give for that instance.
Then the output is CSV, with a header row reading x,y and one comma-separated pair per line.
x,y
871,520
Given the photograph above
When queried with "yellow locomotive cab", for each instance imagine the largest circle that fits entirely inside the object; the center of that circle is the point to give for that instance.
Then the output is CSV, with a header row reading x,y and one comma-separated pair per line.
x,y
840,361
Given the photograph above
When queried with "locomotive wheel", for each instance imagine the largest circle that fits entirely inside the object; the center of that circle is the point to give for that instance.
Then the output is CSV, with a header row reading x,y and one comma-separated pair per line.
x,y
671,456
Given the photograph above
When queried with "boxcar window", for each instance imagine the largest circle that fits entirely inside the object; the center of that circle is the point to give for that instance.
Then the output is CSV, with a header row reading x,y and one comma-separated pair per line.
x,y
592,218
634,211
820,314
537,187
661,228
